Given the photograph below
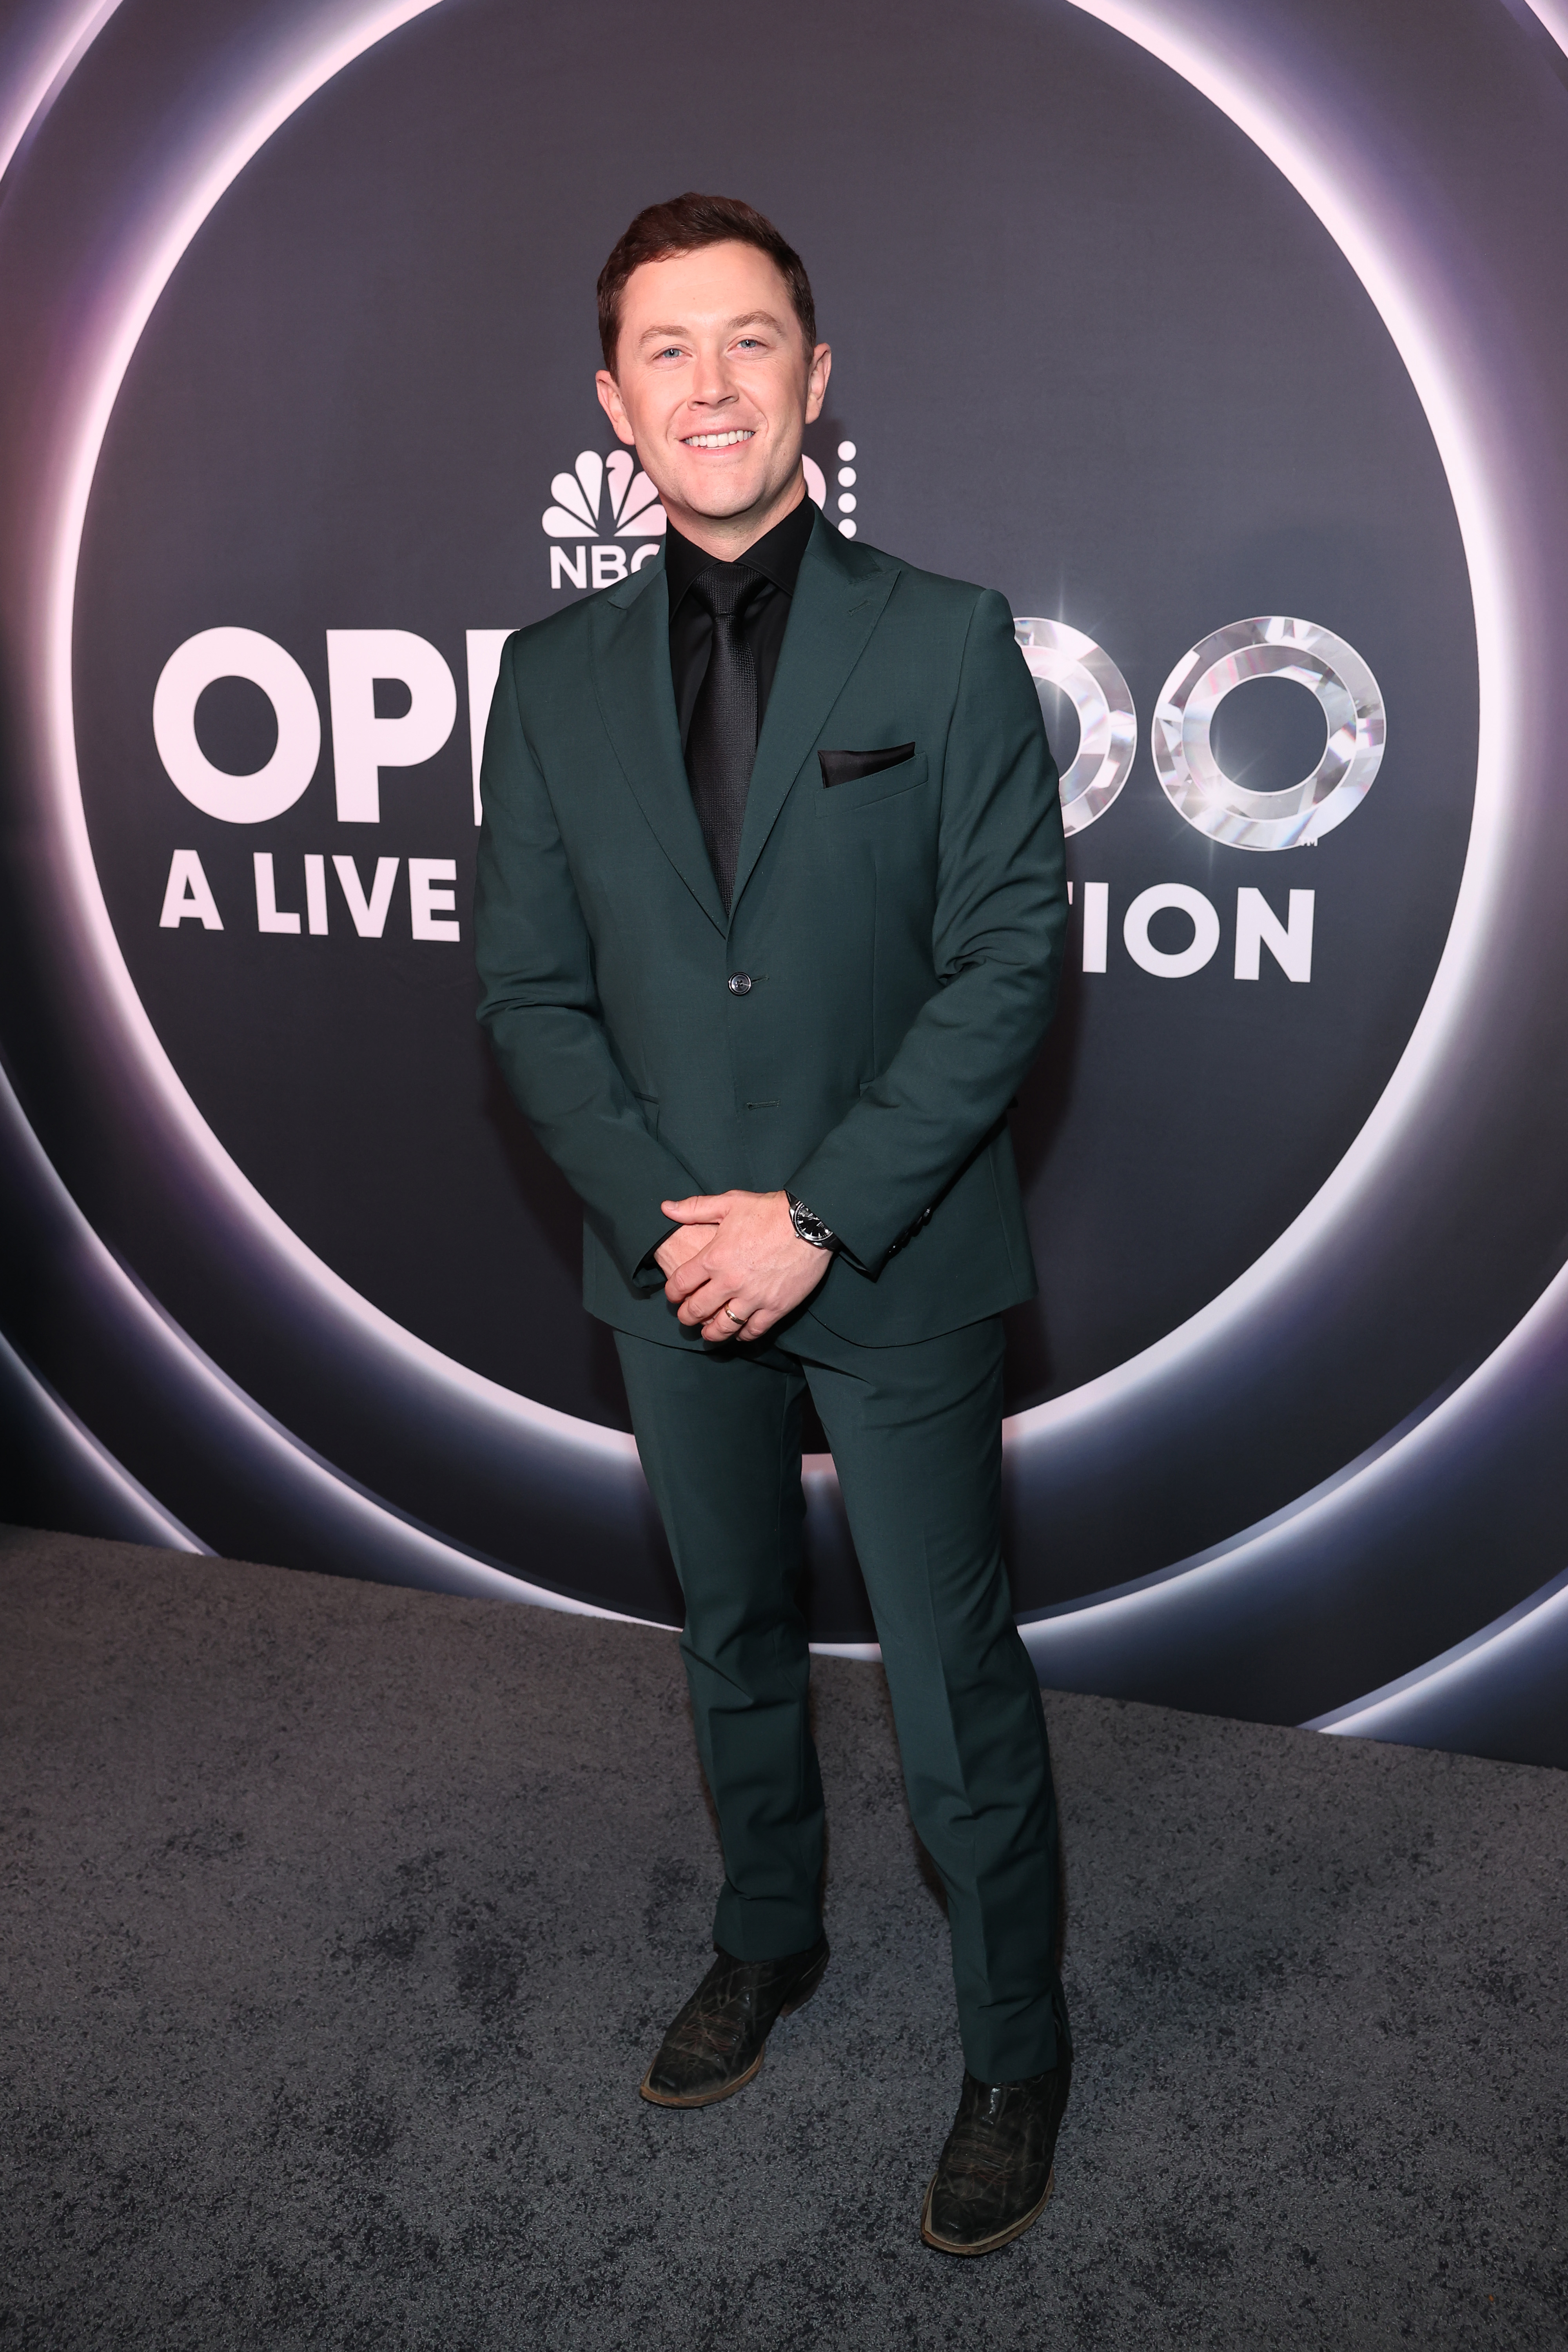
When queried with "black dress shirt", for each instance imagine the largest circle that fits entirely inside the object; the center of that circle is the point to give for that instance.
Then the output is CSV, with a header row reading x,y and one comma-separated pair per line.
x,y
776,555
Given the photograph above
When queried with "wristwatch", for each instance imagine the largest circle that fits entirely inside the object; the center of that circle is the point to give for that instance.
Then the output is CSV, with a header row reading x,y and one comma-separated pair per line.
x,y
811,1228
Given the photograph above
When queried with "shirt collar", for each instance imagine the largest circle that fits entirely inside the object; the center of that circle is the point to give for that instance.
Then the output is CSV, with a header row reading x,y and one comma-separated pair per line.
x,y
776,555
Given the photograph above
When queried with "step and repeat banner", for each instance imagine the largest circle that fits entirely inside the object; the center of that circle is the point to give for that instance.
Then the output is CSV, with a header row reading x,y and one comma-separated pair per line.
x,y
1218,335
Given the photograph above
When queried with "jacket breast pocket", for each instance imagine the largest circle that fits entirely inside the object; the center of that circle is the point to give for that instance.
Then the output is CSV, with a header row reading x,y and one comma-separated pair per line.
x,y
849,781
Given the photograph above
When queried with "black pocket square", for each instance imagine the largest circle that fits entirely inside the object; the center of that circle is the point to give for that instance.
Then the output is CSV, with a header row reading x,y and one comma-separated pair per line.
x,y
849,767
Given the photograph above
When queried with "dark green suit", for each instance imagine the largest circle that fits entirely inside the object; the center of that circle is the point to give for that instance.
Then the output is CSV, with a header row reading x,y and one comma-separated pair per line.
x,y
902,935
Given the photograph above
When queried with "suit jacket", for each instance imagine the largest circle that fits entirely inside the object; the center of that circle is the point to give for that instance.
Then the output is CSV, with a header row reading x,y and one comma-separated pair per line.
x,y
901,931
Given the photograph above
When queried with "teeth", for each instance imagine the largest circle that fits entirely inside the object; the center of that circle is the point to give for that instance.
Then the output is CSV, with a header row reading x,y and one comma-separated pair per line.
x,y
715,440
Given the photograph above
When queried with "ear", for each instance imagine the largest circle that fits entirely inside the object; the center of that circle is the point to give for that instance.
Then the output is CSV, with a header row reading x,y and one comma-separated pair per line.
x,y
821,368
613,406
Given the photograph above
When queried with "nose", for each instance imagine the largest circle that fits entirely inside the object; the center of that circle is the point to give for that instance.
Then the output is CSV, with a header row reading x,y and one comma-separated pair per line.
x,y
711,386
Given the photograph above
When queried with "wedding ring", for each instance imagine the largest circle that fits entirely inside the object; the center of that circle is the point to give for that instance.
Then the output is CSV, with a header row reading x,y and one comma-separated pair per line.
x,y
738,1320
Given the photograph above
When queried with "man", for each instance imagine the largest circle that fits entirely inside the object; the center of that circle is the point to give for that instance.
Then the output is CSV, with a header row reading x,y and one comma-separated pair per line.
x,y
770,913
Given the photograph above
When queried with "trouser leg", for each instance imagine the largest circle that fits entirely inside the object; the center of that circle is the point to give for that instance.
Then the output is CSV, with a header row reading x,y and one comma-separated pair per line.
x,y
720,1440
916,1434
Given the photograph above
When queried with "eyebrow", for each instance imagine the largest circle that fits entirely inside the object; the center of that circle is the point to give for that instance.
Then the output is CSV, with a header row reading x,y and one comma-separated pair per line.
x,y
733,326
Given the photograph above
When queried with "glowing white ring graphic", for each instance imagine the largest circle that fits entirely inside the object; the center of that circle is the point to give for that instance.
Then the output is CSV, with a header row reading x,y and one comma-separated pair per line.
x,y
1107,721
53,67
1459,430
1273,646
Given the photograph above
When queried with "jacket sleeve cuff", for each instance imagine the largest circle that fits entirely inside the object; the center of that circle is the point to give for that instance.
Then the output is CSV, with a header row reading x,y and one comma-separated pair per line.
x,y
860,1237
645,1275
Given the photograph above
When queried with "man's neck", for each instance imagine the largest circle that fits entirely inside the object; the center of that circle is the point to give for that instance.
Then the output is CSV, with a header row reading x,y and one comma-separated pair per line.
x,y
727,537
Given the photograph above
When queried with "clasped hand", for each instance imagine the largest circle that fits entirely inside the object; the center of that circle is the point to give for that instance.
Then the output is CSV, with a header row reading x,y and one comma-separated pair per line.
x,y
737,1265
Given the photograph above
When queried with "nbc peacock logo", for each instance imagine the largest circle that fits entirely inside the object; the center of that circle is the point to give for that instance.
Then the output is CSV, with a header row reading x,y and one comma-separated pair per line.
x,y
605,501
600,503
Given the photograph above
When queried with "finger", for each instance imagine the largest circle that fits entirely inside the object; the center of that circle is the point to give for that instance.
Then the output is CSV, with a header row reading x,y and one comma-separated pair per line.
x,y
702,1304
696,1318
728,1324
701,1209
691,1274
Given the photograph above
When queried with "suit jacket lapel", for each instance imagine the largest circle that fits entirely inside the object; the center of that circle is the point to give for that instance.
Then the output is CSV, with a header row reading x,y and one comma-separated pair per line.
x,y
838,600
637,700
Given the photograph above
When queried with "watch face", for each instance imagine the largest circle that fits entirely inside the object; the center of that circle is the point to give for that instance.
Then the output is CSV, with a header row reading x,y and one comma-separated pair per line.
x,y
810,1228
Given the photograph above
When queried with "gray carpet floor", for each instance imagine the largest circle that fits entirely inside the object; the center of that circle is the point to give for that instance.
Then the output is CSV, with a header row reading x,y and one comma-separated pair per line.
x,y
339,1923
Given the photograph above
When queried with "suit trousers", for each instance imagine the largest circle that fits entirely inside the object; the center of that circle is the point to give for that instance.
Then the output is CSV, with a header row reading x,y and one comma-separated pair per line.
x,y
916,1434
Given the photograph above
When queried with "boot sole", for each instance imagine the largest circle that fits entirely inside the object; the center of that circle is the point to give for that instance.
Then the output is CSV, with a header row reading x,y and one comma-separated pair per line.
x,y
700,2098
727,2090
998,2238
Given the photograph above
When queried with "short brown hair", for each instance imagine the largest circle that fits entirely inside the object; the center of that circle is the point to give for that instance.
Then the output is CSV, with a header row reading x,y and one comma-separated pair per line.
x,y
684,225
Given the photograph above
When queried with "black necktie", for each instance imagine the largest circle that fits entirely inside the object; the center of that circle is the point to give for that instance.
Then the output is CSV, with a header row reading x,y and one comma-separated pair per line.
x,y
721,742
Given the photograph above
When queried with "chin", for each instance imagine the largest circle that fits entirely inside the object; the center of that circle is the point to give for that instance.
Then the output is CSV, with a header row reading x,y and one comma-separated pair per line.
x,y
729,508
718,500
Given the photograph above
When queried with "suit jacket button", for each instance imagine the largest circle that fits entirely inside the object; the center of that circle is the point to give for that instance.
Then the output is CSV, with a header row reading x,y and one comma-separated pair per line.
x,y
739,984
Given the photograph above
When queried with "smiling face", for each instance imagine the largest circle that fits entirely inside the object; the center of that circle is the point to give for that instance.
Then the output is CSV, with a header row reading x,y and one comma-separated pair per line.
x,y
714,386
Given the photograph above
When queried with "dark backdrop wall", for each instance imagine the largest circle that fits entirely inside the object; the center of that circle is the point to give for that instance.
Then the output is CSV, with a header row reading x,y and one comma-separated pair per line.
x,y
1220,338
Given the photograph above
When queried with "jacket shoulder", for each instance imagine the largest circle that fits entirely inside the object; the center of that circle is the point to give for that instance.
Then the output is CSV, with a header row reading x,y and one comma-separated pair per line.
x,y
560,635
934,593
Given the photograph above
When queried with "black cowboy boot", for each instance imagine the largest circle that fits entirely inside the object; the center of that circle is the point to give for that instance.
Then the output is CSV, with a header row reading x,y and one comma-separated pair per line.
x,y
715,2044
996,2171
